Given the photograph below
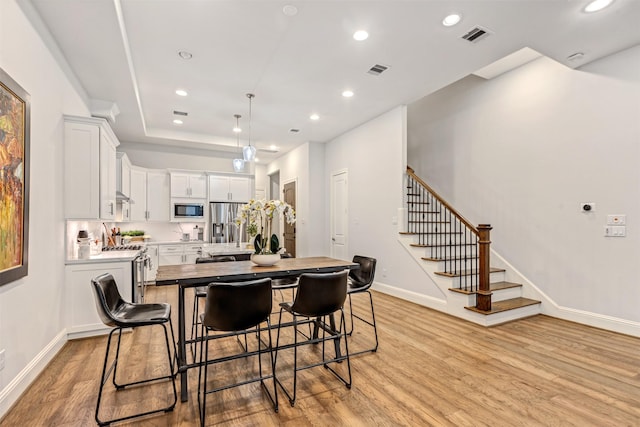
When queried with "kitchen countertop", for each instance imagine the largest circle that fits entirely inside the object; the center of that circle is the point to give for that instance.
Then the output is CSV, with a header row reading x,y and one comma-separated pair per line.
x,y
106,256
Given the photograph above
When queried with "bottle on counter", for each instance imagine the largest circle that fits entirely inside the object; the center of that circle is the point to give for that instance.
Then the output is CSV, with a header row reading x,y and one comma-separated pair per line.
x,y
118,237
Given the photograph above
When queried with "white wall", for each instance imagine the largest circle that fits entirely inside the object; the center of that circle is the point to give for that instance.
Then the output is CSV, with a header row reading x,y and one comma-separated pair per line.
x,y
302,166
373,155
31,309
523,150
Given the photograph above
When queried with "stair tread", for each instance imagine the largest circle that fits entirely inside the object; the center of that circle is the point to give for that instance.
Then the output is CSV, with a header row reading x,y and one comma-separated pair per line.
x,y
504,285
429,233
420,245
457,258
506,305
496,286
468,272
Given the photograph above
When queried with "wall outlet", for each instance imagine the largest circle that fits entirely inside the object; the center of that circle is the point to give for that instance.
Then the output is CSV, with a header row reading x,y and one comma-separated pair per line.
x,y
1,359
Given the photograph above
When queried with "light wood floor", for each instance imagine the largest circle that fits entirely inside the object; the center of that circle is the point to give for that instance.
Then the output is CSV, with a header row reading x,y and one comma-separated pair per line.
x,y
430,369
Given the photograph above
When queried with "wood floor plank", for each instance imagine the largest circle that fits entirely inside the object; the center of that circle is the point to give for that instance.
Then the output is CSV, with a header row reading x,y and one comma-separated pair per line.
x,y
430,370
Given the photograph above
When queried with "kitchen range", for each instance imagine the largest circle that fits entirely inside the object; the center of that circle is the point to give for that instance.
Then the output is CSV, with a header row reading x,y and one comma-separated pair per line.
x,y
139,265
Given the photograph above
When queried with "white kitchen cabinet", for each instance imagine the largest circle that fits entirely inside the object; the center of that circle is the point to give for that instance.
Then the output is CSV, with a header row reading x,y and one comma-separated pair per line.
x,y
89,169
188,185
224,188
82,316
150,199
185,253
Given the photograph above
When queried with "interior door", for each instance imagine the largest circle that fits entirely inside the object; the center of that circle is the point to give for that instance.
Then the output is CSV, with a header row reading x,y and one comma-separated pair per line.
x,y
339,215
289,195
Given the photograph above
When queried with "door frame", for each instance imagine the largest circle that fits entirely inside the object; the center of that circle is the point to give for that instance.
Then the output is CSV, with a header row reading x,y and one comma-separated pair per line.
x,y
332,209
295,186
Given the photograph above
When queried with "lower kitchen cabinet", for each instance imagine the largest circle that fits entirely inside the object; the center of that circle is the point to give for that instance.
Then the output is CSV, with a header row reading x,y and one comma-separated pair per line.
x,y
82,316
185,253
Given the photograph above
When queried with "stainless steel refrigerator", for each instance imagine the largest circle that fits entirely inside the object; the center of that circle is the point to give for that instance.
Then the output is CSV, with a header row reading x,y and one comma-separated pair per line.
x,y
223,225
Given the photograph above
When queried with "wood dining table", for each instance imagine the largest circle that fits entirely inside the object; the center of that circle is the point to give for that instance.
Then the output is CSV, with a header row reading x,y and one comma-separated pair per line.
x,y
191,275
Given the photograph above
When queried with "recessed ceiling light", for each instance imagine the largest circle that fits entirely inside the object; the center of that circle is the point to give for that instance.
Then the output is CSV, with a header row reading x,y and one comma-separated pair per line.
x,y
597,5
347,94
185,55
360,35
177,122
256,160
181,92
314,117
273,147
451,20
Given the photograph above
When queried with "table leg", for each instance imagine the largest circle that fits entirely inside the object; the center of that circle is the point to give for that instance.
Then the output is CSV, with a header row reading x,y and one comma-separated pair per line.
x,y
182,347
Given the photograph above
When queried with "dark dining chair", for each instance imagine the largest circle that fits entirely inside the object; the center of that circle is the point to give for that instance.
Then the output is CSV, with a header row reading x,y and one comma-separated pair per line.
x,y
119,314
319,296
200,294
233,309
360,281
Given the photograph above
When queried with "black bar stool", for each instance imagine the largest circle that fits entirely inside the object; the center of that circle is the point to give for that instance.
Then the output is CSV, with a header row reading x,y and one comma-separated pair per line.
x,y
119,314
201,293
360,281
318,296
233,309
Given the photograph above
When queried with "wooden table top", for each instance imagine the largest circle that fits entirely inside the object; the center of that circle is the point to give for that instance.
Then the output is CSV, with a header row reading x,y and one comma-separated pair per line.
x,y
198,274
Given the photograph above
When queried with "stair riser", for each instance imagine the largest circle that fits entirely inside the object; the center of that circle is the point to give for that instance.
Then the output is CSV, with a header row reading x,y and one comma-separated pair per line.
x,y
456,265
435,227
505,294
493,277
442,252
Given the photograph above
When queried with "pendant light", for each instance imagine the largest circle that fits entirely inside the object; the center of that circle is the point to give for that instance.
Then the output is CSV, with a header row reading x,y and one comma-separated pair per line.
x,y
238,164
249,152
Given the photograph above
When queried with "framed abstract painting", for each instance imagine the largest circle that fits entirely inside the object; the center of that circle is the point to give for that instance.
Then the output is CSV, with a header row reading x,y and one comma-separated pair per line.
x,y
14,179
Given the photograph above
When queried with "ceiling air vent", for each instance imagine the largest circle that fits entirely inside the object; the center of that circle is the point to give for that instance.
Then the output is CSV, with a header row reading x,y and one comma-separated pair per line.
x,y
377,69
294,130
180,113
476,34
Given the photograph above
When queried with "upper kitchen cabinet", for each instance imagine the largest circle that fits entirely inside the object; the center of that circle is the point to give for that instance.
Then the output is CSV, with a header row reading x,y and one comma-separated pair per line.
x,y
150,195
89,168
189,185
229,188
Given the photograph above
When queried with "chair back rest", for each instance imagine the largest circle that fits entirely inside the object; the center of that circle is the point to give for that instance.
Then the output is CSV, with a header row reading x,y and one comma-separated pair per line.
x,y
363,277
237,306
320,294
107,298
215,258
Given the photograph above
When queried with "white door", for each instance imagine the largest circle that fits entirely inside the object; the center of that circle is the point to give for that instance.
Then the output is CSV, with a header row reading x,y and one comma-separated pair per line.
x,y
339,215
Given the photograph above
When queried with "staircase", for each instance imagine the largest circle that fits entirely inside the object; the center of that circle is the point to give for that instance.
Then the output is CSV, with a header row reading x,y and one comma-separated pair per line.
x,y
456,255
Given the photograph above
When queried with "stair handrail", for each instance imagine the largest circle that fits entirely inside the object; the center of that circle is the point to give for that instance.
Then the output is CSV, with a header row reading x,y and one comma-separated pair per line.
x,y
482,231
462,219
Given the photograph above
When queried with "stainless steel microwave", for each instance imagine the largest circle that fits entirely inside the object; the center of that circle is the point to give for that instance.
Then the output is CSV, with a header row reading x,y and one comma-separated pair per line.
x,y
188,210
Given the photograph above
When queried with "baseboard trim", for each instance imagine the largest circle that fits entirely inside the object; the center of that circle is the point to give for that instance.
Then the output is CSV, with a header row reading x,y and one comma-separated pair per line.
x,y
421,299
601,321
12,392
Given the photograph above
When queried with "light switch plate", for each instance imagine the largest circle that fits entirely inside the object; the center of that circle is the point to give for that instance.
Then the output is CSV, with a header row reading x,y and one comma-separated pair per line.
x,y
615,231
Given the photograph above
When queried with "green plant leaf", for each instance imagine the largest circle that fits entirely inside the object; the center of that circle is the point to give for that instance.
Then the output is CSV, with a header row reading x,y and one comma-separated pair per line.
x,y
257,243
275,244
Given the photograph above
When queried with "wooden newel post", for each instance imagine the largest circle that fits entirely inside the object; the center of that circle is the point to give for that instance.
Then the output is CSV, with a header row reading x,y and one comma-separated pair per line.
x,y
483,297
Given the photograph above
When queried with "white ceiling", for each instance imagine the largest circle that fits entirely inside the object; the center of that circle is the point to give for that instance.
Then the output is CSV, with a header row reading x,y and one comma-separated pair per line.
x,y
126,51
